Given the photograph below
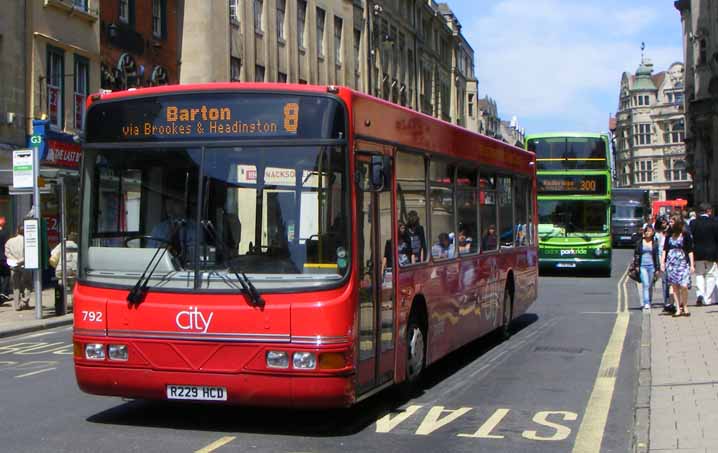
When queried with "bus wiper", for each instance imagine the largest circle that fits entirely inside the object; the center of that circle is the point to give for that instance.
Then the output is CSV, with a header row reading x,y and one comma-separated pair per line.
x,y
138,292
242,278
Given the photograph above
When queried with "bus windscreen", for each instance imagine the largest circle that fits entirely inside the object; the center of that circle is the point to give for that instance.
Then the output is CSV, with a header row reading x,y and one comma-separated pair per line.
x,y
215,116
569,153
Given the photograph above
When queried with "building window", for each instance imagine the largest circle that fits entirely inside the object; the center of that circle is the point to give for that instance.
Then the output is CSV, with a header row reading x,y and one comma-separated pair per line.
x,y
643,170
471,105
259,73
234,10
676,170
258,12
82,89
301,20
642,134
702,58
281,77
281,7
675,131
80,4
125,11
236,69
357,56
320,32
158,14
55,88
338,25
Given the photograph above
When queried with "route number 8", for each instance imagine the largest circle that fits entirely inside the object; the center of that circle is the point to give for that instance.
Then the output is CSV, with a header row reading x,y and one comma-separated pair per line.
x,y
291,117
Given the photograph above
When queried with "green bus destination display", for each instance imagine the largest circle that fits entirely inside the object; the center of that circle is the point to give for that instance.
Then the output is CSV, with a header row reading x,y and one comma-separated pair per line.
x,y
211,116
571,184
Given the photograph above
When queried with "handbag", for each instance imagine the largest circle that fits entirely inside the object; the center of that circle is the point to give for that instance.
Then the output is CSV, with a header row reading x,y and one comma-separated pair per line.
x,y
634,272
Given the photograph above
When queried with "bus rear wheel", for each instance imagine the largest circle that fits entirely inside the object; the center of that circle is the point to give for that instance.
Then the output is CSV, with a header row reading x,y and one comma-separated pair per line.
x,y
507,314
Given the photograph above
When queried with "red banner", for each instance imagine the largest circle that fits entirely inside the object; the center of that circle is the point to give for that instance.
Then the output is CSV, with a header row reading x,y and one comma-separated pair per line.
x,y
63,154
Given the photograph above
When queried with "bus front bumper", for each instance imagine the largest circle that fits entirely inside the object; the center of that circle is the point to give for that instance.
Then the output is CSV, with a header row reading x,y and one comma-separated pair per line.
x,y
245,389
575,263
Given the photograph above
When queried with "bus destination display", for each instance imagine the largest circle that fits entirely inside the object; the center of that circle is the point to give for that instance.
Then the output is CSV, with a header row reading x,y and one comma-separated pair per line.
x,y
212,116
571,184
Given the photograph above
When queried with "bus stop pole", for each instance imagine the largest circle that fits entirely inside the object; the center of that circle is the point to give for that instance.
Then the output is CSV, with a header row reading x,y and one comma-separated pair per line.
x,y
38,216
63,246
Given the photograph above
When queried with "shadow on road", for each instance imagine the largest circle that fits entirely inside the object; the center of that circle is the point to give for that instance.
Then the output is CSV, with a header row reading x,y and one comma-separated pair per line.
x,y
292,422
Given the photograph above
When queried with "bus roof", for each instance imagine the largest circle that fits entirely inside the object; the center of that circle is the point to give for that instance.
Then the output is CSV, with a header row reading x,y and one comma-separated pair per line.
x,y
373,118
567,134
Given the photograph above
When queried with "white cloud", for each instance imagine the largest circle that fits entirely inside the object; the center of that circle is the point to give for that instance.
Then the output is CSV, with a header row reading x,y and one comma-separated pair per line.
x,y
560,61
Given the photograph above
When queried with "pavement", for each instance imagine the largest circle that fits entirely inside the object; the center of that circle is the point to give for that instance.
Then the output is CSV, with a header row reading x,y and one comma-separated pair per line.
x,y
683,379
16,322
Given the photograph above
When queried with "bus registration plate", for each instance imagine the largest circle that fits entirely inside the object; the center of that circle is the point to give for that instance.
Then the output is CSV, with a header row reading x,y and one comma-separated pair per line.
x,y
571,265
196,392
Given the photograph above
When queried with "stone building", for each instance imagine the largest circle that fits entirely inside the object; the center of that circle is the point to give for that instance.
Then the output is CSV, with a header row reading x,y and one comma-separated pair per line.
x,y
139,41
50,59
410,52
650,131
700,49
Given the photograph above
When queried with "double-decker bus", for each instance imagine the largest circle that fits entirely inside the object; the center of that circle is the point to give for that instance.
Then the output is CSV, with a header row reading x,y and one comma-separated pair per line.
x,y
574,200
289,245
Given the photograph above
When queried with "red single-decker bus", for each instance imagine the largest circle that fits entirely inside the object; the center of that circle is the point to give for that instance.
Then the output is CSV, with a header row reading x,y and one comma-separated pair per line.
x,y
289,245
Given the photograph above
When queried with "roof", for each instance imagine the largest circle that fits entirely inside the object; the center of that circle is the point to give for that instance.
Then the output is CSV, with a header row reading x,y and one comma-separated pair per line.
x,y
659,78
643,79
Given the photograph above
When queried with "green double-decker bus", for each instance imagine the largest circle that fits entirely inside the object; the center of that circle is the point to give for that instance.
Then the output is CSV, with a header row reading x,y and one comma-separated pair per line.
x,y
574,200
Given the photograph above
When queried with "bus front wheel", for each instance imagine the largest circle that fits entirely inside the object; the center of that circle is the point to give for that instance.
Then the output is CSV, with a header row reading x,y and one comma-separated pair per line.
x,y
415,357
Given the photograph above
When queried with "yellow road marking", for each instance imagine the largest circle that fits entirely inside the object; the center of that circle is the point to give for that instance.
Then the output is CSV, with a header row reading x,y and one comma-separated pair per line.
x,y
434,420
593,425
222,441
541,418
387,422
32,373
484,432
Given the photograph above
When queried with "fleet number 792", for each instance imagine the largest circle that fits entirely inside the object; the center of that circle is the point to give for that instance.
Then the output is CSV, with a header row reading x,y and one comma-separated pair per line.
x,y
92,316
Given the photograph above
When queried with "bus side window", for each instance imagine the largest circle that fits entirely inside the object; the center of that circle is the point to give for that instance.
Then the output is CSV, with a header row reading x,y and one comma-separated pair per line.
x,y
441,176
487,212
411,202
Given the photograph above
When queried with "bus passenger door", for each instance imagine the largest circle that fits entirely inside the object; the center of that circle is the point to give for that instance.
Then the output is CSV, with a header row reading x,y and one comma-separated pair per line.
x,y
376,282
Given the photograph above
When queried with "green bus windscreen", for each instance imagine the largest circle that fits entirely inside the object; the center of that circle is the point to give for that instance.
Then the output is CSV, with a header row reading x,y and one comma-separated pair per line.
x,y
569,153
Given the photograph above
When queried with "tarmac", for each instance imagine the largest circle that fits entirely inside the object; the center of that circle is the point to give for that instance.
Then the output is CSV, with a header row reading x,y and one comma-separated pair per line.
x,y
14,322
677,396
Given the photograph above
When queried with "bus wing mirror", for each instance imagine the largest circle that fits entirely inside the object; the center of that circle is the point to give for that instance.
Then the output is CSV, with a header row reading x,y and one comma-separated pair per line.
x,y
380,173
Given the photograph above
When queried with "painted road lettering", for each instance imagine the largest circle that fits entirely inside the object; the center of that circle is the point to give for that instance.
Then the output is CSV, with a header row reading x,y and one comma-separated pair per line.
x,y
484,432
545,426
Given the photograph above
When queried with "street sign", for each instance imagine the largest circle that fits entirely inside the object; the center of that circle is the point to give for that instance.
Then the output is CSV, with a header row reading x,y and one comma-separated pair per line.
x,y
22,169
32,243
36,140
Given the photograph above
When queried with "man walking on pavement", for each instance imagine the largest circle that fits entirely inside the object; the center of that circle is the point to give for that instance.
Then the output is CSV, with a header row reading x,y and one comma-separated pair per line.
x,y
4,268
705,239
21,278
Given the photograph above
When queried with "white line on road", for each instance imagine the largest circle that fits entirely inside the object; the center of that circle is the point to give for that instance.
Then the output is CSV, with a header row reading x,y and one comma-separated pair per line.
x,y
222,441
593,425
32,373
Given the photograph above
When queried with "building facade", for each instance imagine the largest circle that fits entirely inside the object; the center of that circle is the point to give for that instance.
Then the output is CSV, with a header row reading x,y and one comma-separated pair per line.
x,y
139,41
649,133
700,49
410,52
50,57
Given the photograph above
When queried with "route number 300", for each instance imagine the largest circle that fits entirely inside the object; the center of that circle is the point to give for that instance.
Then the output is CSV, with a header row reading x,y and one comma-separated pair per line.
x,y
92,316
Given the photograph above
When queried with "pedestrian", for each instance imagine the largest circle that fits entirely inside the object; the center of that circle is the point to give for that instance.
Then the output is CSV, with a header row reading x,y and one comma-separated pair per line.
x,y
646,257
21,278
678,264
71,253
661,232
4,268
705,242
417,236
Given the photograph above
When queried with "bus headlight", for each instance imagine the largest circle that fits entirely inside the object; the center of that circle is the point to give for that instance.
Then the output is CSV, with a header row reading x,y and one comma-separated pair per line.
x,y
277,359
95,351
304,360
117,352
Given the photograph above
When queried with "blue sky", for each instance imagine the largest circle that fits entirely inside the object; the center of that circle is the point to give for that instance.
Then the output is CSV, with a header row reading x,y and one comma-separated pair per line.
x,y
557,64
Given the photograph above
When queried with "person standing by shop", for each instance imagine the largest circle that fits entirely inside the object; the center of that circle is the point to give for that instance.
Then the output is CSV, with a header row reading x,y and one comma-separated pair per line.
x,y
21,278
646,257
678,263
705,241
4,268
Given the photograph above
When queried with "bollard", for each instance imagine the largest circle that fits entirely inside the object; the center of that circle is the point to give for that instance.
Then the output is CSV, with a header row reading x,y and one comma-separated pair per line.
x,y
59,305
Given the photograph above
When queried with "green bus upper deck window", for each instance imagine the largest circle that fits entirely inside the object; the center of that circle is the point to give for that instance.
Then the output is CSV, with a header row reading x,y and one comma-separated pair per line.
x,y
569,153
